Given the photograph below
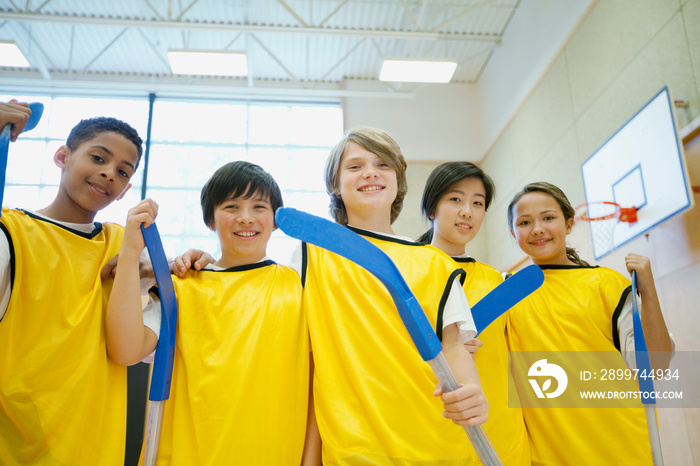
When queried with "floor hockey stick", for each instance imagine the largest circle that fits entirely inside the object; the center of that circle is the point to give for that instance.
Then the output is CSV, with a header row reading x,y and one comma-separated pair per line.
x,y
646,384
165,351
506,295
342,241
37,109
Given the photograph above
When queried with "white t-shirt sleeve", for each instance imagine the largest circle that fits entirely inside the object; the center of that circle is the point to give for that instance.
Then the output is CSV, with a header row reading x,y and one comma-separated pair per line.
x,y
625,331
457,311
5,274
295,260
151,319
150,282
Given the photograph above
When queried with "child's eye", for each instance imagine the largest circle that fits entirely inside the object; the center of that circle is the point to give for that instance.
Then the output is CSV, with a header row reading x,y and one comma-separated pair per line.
x,y
97,158
524,223
549,217
479,203
455,199
261,206
123,173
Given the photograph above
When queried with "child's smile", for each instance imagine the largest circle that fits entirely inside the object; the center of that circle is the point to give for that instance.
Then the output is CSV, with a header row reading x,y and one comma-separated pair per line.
x,y
98,190
246,234
371,188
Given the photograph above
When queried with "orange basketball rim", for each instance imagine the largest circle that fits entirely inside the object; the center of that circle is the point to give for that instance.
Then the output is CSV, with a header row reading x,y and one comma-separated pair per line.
x,y
605,210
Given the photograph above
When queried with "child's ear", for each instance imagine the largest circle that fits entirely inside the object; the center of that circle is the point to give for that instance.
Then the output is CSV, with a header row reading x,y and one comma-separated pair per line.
x,y
119,198
59,158
569,225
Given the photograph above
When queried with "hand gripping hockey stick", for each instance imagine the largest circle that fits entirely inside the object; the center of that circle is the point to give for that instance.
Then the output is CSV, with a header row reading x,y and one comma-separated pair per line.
x,y
165,351
37,109
646,384
340,240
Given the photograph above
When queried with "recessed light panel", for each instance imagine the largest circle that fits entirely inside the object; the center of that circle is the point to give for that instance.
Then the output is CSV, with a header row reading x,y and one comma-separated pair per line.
x,y
208,63
10,55
417,71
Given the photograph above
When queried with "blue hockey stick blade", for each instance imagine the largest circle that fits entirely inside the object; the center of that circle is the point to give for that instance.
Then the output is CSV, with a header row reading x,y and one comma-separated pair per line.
x,y
340,240
37,109
506,295
165,350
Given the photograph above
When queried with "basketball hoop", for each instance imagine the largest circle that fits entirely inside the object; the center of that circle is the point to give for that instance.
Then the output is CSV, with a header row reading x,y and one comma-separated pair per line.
x,y
603,217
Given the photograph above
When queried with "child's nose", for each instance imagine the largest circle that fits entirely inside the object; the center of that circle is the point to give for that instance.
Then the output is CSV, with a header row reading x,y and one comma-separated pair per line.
x,y
370,172
107,173
245,217
466,212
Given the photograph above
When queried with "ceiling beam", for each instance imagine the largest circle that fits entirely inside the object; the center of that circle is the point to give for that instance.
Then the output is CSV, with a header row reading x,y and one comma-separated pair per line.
x,y
416,21
332,13
277,60
153,9
28,81
422,11
251,66
71,47
416,26
37,55
182,13
469,10
36,10
101,52
250,28
382,57
291,11
354,47
155,50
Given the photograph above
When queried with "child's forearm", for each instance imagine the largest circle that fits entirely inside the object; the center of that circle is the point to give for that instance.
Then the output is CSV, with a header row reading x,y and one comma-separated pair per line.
x,y
466,406
128,341
656,333
458,356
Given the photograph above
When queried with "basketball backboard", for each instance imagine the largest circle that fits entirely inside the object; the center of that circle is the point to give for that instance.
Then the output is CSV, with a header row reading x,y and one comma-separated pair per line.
x,y
641,165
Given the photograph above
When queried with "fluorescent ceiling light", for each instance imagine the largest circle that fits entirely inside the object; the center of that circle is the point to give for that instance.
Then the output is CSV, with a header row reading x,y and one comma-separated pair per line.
x,y
209,63
10,55
417,70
